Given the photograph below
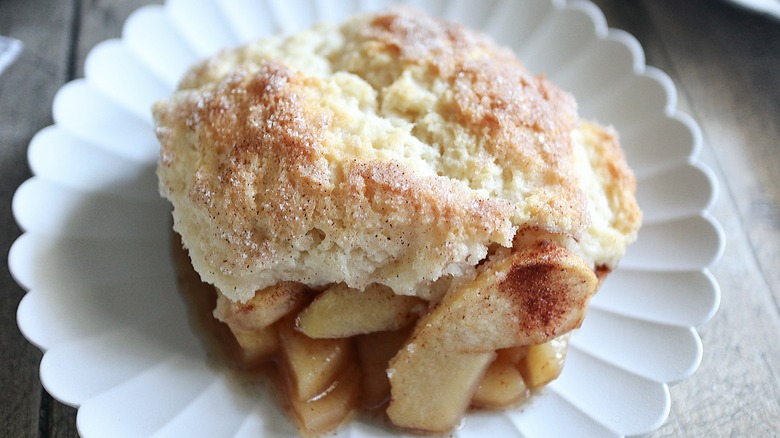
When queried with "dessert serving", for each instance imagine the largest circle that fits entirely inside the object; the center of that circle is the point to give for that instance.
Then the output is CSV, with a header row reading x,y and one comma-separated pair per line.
x,y
395,212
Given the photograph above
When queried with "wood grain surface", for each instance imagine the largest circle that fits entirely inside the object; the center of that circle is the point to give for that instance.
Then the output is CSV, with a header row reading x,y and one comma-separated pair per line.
x,y
725,62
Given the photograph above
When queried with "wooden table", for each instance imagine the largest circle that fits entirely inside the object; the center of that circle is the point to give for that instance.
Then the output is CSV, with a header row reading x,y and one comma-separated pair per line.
x,y
725,62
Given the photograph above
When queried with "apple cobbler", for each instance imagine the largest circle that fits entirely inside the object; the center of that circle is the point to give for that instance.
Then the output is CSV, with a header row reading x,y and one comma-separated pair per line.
x,y
396,212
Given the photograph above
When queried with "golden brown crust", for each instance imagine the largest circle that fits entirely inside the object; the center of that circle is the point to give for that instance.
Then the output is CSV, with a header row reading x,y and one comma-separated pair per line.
x,y
262,182
395,149
522,121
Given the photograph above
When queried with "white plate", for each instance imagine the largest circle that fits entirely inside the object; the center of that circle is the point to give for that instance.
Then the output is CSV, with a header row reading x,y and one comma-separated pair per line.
x,y
769,7
102,299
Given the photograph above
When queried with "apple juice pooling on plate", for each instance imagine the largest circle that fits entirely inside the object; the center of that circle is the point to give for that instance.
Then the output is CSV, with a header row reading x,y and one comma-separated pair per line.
x,y
394,210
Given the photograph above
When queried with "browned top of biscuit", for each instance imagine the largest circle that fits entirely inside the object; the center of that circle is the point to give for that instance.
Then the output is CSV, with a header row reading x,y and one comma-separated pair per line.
x,y
394,149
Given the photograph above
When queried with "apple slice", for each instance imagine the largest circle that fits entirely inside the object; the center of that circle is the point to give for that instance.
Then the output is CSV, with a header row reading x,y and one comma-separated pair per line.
x,y
501,386
431,387
544,362
535,294
256,346
328,409
312,365
341,312
531,295
266,307
374,353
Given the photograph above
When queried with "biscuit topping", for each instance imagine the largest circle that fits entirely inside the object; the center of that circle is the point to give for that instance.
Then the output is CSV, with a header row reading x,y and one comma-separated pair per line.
x,y
394,149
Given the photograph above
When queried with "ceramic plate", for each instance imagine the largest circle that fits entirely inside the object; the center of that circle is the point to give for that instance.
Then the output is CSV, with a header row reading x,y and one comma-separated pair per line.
x,y
102,299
